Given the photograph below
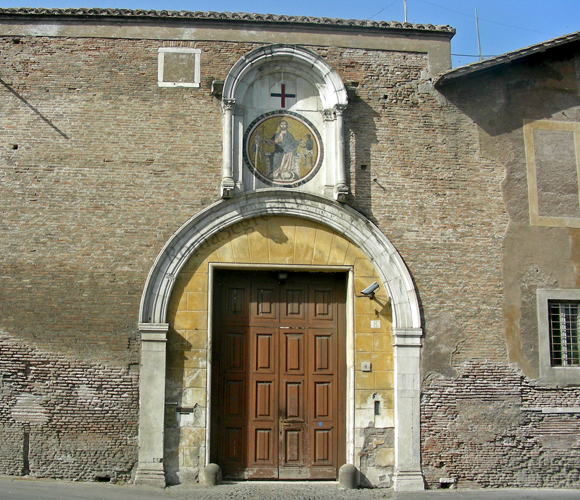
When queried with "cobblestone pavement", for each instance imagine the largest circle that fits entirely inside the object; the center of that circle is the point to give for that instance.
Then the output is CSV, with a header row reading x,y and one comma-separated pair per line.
x,y
331,491
269,491
12,488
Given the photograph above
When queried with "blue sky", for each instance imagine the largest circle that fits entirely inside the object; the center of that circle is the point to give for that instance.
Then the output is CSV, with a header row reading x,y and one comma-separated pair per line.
x,y
504,25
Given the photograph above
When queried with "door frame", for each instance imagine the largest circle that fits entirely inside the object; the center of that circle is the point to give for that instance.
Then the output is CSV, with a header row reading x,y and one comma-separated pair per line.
x,y
349,433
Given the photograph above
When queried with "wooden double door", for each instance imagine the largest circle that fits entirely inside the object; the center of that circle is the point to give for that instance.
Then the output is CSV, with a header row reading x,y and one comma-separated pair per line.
x,y
278,381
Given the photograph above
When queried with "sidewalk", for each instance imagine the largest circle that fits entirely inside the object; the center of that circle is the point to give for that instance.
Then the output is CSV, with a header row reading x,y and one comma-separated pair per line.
x,y
12,488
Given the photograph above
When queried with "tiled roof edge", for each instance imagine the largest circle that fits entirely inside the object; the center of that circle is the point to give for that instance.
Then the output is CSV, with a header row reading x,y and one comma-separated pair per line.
x,y
220,16
508,57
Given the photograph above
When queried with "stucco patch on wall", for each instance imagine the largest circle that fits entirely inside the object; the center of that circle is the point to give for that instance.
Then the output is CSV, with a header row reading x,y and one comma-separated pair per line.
x,y
442,340
552,158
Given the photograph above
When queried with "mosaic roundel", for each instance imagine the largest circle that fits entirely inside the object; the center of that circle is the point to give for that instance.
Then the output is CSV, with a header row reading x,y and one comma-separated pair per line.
x,y
283,149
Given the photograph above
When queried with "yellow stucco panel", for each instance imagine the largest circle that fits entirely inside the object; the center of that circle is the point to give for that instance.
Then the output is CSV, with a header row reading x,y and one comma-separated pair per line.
x,y
270,240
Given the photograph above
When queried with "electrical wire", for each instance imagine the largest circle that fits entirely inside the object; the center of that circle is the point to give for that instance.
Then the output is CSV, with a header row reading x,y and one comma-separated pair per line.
x,y
384,8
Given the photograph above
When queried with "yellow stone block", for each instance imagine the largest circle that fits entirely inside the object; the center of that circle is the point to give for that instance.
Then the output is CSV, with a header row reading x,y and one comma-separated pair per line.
x,y
281,229
193,396
387,398
363,399
196,263
173,390
259,251
352,254
225,252
178,302
195,378
384,380
196,283
362,323
190,320
188,456
387,418
322,245
196,358
281,241
364,342
305,233
212,257
177,340
174,377
364,380
383,342
176,359
362,357
241,249
382,361
196,301
363,268
196,339
385,311
364,305
338,251
192,437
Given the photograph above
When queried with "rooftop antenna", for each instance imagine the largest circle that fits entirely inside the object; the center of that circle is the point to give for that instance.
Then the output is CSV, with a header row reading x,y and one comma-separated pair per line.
x,y
477,29
405,3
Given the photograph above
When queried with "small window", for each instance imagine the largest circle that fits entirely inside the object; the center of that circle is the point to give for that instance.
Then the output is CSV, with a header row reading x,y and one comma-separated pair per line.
x,y
563,318
178,67
558,343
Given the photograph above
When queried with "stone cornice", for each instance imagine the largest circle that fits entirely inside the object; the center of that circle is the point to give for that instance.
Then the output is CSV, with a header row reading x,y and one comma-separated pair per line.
x,y
229,17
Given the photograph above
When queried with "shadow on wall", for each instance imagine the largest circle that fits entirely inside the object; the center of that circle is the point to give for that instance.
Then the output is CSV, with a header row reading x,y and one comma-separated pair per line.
x,y
533,89
175,407
360,138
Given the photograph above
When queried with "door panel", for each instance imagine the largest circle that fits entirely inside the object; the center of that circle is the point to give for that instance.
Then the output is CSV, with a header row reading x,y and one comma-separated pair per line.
x,y
279,372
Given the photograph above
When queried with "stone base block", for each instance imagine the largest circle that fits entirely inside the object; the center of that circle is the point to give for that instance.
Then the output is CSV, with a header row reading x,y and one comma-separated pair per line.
x,y
150,475
408,481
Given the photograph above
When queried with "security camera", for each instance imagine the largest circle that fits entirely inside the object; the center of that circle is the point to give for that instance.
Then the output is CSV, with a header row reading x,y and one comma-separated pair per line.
x,y
370,290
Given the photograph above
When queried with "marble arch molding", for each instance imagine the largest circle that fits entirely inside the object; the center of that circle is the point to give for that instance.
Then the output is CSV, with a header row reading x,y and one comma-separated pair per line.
x,y
346,221
319,96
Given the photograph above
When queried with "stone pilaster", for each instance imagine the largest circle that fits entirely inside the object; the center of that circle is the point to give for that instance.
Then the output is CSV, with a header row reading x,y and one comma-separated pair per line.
x,y
152,404
407,346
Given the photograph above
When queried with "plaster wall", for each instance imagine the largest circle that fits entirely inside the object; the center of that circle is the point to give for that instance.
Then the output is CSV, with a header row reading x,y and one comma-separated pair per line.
x,y
524,116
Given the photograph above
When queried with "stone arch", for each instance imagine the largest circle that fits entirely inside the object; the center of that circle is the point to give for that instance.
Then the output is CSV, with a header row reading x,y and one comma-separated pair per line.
x,y
312,66
342,219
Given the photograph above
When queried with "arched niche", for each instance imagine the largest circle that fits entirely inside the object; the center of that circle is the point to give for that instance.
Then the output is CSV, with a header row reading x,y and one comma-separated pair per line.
x,y
292,80
364,235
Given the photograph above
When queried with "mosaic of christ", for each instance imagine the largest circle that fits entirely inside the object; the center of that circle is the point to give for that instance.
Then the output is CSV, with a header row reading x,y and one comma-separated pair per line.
x,y
282,148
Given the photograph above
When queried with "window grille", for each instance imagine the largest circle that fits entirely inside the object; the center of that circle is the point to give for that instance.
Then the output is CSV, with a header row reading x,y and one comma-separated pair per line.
x,y
563,321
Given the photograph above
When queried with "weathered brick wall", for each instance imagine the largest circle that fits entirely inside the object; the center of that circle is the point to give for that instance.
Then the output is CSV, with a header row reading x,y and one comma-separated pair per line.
x,y
486,428
99,167
485,421
65,418
108,166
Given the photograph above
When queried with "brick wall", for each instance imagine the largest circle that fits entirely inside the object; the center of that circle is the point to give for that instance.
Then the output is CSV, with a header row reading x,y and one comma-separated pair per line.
x,y
99,167
64,418
486,428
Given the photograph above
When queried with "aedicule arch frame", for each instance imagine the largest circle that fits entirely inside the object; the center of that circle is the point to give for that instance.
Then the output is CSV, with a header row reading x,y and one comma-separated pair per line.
x,y
308,65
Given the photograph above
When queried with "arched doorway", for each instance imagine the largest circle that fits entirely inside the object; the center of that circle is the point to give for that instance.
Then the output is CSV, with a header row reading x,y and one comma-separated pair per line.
x,y
390,270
